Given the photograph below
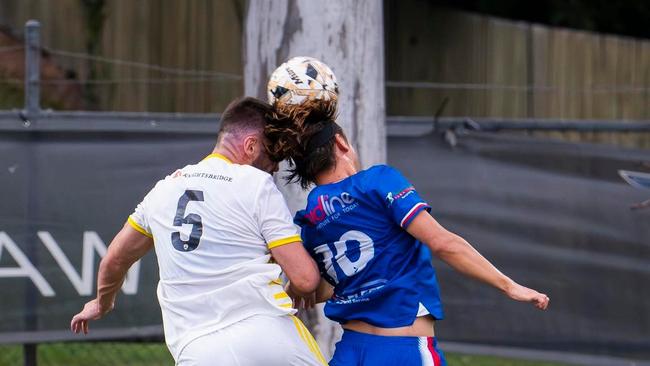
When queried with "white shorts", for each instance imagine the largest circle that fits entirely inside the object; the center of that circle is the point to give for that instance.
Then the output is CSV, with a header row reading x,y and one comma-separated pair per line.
x,y
258,340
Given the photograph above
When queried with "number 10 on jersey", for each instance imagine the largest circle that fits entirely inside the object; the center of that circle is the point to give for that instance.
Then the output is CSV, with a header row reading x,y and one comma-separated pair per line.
x,y
341,258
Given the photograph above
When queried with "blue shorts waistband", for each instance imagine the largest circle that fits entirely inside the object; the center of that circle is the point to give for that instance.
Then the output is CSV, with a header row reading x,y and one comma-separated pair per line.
x,y
358,337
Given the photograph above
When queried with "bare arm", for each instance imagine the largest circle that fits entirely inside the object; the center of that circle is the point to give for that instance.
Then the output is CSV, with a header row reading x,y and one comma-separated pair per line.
x,y
459,254
323,292
298,266
126,248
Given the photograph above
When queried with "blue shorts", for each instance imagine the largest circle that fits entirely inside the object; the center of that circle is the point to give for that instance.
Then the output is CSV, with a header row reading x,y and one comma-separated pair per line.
x,y
360,349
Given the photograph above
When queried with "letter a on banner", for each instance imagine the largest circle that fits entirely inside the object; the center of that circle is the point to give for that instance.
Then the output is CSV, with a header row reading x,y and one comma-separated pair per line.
x,y
25,267
84,283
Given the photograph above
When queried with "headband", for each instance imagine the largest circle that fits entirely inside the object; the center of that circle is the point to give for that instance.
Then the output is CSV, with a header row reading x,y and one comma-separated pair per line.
x,y
323,136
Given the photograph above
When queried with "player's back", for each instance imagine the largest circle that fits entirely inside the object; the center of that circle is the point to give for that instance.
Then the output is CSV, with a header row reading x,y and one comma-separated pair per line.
x,y
355,230
204,215
209,222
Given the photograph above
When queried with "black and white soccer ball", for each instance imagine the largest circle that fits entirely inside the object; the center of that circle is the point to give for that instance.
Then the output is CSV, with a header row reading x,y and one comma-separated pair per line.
x,y
301,79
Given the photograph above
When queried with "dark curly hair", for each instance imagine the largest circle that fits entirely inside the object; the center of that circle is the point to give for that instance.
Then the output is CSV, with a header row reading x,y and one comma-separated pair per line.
x,y
304,134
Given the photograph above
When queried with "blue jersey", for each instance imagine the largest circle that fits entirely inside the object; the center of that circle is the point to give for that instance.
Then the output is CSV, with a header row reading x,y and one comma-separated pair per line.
x,y
355,229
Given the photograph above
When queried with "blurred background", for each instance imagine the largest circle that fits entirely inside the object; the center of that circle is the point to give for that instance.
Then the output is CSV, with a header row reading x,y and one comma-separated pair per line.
x,y
512,118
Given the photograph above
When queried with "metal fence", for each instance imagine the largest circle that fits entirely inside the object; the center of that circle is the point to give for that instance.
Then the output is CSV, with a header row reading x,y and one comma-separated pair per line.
x,y
107,353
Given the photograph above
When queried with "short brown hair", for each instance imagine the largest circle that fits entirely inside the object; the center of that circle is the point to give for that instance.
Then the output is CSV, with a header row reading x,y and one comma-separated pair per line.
x,y
244,114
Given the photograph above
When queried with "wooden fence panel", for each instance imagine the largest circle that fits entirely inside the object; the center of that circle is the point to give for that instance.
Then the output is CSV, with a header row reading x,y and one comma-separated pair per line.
x,y
189,34
513,69
499,68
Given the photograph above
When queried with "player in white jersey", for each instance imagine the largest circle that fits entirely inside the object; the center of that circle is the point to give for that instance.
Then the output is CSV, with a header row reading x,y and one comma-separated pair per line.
x,y
214,226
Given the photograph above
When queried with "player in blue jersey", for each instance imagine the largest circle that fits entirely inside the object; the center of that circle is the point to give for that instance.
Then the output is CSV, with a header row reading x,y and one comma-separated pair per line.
x,y
372,237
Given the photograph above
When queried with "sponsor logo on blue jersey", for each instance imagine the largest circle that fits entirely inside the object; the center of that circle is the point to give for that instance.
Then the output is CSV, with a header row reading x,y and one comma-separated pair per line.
x,y
390,197
328,206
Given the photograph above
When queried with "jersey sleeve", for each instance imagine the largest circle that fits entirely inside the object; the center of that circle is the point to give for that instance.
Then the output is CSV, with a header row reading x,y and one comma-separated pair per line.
x,y
138,219
275,220
398,196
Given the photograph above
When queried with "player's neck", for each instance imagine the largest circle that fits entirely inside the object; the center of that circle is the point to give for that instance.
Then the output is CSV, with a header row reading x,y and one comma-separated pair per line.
x,y
344,168
230,150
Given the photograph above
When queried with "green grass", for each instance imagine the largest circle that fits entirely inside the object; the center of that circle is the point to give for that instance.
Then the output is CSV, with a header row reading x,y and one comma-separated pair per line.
x,y
91,353
156,354
455,359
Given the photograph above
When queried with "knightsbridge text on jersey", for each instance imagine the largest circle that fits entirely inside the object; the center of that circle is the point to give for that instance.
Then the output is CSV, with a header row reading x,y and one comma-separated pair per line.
x,y
180,173
326,206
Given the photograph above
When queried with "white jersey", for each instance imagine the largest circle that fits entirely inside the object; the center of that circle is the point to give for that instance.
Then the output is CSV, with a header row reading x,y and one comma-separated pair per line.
x,y
213,224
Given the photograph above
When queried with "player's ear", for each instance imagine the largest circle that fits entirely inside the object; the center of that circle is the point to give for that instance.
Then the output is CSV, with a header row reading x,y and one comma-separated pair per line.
x,y
250,146
341,143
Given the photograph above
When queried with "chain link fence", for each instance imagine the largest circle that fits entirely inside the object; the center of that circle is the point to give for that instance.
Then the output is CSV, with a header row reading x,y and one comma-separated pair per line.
x,y
90,353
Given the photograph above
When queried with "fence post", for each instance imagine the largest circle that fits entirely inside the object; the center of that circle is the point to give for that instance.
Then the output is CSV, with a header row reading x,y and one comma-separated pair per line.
x,y
29,354
32,67
32,106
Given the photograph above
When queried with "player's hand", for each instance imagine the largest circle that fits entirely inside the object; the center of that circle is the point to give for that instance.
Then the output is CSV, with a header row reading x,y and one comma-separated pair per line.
x,y
522,293
300,301
91,311
304,302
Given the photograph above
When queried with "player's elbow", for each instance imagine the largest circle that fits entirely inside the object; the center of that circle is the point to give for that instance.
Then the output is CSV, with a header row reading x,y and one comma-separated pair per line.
x,y
306,282
444,246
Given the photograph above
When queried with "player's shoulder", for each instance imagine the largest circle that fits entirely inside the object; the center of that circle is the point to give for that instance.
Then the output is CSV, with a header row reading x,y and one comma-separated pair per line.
x,y
164,184
253,172
252,177
173,176
380,169
253,180
378,173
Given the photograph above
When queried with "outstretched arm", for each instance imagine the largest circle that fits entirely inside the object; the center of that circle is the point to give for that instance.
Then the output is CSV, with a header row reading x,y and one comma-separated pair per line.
x,y
126,248
459,254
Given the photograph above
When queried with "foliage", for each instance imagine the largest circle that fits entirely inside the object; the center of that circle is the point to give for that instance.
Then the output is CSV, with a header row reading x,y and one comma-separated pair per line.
x,y
629,17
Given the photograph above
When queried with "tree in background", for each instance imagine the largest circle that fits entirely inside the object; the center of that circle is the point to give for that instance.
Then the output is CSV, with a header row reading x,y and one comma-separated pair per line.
x,y
626,17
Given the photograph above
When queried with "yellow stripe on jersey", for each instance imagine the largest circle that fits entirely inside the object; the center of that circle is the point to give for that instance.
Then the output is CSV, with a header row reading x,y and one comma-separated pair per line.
x,y
276,282
280,295
218,156
280,242
139,228
286,305
308,339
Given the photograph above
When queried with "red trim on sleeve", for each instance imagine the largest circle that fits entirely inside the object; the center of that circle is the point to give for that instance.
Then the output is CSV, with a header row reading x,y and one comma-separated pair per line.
x,y
412,212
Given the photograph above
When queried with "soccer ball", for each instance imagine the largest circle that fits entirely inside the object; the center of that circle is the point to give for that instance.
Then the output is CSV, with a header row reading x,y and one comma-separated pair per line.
x,y
300,79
